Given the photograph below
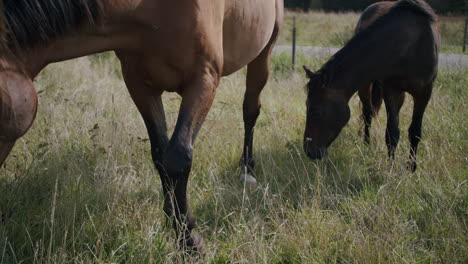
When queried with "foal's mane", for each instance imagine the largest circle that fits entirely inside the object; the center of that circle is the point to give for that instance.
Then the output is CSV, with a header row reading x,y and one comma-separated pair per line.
x,y
418,7
31,22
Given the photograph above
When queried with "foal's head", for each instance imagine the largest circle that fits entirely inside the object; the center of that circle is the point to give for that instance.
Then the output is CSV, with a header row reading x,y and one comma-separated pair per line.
x,y
327,114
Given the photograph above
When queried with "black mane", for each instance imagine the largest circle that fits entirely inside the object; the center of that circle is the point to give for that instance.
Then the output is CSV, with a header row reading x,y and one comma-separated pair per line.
x,y
419,7
32,22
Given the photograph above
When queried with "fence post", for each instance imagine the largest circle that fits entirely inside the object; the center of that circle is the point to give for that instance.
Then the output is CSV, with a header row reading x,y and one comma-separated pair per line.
x,y
465,38
294,44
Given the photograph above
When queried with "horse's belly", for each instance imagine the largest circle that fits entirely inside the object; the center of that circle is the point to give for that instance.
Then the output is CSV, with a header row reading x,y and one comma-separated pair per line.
x,y
247,28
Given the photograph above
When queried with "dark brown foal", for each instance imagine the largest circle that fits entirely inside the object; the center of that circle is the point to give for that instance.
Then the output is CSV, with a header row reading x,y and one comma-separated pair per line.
x,y
394,51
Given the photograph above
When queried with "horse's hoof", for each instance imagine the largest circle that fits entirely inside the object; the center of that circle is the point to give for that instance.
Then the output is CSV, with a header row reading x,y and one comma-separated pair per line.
x,y
249,180
192,244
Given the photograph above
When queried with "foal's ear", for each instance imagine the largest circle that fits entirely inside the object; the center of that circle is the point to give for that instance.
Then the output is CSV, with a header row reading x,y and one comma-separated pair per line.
x,y
308,71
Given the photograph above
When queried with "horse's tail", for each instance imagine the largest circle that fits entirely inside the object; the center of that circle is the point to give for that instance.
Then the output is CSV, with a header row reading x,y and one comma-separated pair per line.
x,y
376,97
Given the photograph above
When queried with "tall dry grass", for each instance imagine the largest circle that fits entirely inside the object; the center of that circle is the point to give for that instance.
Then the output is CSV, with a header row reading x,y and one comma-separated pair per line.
x,y
80,186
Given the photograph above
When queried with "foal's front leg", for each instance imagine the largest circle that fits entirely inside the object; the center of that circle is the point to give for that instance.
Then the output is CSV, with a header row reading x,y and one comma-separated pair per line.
x,y
197,98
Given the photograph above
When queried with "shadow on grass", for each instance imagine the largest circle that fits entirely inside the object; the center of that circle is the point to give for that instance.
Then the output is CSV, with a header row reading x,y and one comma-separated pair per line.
x,y
287,180
65,203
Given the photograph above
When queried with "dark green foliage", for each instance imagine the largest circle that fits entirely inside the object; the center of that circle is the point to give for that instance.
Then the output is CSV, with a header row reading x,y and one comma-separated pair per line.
x,y
449,6
441,6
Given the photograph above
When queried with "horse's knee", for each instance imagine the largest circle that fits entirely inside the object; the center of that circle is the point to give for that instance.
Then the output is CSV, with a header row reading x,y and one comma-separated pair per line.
x,y
177,162
18,105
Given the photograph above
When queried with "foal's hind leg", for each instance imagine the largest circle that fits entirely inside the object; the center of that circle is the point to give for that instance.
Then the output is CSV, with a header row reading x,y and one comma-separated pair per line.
x,y
365,97
257,77
421,99
371,100
394,99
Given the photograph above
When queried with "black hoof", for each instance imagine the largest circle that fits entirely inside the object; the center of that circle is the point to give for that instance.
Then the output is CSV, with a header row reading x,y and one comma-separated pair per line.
x,y
412,166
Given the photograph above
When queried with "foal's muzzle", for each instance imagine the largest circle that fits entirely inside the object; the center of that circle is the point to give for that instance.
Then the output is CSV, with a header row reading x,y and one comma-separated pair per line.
x,y
314,152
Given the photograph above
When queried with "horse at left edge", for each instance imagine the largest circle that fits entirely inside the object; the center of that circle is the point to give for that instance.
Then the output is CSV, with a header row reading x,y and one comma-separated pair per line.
x,y
163,46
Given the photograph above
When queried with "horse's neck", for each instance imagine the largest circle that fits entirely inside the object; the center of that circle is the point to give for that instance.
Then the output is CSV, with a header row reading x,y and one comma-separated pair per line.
x,y
73,47
358,69
90,40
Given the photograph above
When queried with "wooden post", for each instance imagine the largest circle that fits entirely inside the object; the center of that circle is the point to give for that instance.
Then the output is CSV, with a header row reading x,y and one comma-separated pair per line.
x,y
465,38
294,44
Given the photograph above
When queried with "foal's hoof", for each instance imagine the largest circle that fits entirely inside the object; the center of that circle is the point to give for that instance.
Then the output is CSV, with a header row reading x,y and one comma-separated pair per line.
x,y
412,166
249,180
192,244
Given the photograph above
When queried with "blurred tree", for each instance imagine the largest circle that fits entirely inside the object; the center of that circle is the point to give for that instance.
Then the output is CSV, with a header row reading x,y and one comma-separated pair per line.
x,y
441,6
448,6
297,4
317,4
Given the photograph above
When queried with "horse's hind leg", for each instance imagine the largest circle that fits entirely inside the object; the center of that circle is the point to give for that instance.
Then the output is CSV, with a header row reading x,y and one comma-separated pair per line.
x,y
415,130
257,77
394,99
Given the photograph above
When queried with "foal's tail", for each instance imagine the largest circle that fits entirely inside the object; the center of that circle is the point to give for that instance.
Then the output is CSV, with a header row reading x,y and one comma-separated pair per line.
x,y
376,97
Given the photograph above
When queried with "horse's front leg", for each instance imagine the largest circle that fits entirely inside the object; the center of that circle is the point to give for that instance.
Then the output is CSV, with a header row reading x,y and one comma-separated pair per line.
x,y
197,98
18,106
5,149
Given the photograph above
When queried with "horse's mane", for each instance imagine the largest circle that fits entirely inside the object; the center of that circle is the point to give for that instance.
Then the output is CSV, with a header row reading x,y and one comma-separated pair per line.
x,y
31,22
419,7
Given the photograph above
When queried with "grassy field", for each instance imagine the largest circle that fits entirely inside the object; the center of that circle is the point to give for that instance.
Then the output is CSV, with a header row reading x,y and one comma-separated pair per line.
x,y
334,30
80,186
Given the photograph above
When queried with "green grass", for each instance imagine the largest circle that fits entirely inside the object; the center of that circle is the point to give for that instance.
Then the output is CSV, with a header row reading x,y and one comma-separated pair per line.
x,y
335,29
80,186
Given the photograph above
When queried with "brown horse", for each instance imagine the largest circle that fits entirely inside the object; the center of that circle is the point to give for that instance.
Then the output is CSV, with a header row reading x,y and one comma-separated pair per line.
x,y
396,48
176,46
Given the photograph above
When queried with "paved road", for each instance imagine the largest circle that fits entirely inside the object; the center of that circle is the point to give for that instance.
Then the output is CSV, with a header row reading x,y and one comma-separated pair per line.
x,y
446,61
